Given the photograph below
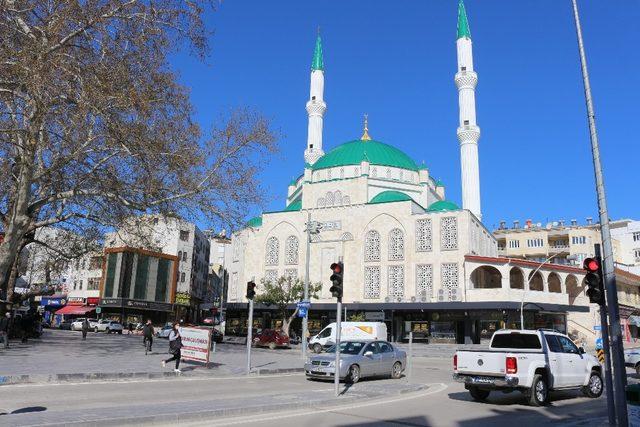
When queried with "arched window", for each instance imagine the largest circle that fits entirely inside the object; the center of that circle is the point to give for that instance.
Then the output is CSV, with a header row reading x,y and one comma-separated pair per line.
x,y
356,171
372,246
321,202
554,283
291,250
346,201
182,277
342,173
337,198
374,172
396,245
328,173
272,250
329,199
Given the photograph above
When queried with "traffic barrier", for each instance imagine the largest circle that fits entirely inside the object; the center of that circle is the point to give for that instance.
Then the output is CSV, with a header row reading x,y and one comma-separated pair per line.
x,y
600,354
633,405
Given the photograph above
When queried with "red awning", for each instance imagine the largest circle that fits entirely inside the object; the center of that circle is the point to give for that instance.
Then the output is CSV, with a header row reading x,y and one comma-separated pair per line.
x,y
75,309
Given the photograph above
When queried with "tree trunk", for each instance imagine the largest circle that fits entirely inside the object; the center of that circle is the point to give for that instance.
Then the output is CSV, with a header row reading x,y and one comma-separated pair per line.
x,y
286,322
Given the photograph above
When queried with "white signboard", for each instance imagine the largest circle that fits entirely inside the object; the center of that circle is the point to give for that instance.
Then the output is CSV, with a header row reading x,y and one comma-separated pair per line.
x,y
374,315
331,225
196,343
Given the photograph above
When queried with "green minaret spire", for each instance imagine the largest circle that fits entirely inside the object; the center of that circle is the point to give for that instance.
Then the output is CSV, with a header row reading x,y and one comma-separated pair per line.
x,y
317,63
463,23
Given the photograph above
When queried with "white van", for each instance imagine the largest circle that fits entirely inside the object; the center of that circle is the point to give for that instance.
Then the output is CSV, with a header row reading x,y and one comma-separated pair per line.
x,y
366,331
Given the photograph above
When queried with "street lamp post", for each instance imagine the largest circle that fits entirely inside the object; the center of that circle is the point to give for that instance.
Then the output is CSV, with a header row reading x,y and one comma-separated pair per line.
x,y
312,228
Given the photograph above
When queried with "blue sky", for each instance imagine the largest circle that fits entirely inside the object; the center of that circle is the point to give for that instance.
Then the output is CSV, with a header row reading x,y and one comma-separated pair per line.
x,y
396,61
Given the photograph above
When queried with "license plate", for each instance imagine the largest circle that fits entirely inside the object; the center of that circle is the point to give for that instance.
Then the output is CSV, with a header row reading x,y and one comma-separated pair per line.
x,y
317,373
481,380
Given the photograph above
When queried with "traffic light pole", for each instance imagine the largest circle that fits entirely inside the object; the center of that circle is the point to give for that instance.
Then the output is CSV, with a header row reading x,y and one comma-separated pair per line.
x,y
617,350
608,378
336,376
249,336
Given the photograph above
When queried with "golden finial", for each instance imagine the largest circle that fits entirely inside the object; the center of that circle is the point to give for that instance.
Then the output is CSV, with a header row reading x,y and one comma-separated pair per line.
x,y
365,135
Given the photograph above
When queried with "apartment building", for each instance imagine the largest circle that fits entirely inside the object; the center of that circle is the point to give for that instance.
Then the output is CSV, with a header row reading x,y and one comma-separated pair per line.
x,y
627,234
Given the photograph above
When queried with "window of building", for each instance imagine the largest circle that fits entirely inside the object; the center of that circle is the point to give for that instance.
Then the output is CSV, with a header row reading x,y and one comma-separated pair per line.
x,y
272,250
341,172
329,174
182,277
395,281
95,263
372,282
424,281
93,284
513,244
449,233
374,172
179,255
321,202
535,243
372,246
578,240
291,250
328,199
449,276
424,235
636,254
184,255
271,276
184,235
396,245
337,198
291,273
636,236
346,200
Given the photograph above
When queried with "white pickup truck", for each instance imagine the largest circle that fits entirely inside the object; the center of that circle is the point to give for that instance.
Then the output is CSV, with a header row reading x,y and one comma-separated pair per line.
x,y
533,362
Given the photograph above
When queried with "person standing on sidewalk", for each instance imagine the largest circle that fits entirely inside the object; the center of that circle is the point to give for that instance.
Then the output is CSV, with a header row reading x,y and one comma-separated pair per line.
x,y
175,344
4,328
147,333
85,328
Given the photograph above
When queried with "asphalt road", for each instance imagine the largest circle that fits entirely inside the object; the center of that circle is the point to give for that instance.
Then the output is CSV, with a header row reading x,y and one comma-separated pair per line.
x,y
444,403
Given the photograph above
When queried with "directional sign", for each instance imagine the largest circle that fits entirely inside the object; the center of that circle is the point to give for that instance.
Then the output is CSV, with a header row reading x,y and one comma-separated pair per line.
x,y
597,327
98,310
598,343
304,304
302,312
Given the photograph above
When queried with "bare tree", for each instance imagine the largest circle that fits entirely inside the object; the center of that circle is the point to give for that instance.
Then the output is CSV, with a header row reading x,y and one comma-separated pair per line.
x,y
94,127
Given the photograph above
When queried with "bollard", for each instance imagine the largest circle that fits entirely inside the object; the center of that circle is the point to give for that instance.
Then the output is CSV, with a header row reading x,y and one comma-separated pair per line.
x,y
633,405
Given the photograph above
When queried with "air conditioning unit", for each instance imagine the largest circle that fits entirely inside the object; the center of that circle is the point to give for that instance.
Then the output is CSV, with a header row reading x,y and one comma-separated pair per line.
x,y
441,295
399,299
387,299
413,299
455,294
423,298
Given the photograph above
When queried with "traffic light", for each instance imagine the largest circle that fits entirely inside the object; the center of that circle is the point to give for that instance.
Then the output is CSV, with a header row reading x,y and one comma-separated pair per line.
x,y
593,280
251,290
336,279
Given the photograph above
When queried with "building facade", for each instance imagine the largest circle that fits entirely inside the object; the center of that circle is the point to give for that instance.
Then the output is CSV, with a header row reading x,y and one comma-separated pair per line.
x,y
627,233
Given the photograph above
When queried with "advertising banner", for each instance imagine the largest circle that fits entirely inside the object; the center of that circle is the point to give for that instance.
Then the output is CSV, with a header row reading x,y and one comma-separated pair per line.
x,y
196,343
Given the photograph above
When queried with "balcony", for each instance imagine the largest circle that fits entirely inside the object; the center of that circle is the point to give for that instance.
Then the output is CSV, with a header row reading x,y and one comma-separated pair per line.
x,y
558,248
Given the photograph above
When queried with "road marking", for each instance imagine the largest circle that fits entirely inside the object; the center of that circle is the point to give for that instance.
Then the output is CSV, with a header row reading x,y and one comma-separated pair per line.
x,y
437,387
149,380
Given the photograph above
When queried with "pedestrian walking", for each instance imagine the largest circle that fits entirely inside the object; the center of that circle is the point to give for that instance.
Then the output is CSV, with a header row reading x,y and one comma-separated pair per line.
x,y
130,328
175,344
25,327
85,328
147,333
5,323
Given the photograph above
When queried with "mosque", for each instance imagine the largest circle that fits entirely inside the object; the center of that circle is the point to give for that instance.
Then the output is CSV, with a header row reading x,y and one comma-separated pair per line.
x,y
412,258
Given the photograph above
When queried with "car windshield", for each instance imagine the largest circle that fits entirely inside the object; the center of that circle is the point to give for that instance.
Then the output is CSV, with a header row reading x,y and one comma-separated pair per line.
x,y
349,347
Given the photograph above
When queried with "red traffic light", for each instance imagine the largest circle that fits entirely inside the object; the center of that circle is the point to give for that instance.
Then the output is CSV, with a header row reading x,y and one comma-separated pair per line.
x,y
336,267
591,264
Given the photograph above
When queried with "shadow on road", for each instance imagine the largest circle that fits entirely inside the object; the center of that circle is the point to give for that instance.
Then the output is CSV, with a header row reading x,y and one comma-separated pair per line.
x,y
514,398
409,421
26,410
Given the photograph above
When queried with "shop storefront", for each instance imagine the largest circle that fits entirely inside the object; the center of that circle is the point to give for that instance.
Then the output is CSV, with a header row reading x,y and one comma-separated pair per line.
x,y
132,311
49,306
77,307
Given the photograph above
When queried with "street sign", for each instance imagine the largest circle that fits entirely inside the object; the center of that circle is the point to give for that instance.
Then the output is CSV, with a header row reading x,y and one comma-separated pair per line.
x,y
302,312
304,305
98,310
597,327
598,343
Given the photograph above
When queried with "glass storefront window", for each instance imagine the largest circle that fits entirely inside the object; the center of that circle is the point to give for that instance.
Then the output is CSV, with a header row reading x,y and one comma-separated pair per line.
x,y
488,327
443,332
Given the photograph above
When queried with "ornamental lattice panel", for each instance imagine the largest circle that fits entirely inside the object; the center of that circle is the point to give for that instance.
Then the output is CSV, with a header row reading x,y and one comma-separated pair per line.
x,y
372,246
372,282
291,273
396,245
337,198
291,250
272,250
424,281
449,276
395,281
328,199
271,276
449,232
424,235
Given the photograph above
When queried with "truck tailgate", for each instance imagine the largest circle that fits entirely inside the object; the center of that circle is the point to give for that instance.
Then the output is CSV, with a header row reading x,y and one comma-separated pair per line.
x,y
481,363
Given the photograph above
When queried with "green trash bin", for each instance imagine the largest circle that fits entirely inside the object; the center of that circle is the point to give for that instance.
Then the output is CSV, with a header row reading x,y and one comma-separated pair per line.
x,y
633,404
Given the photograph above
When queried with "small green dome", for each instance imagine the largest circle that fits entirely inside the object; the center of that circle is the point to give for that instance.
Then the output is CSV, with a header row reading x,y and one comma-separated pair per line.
x,y
390,196
443,206
294,206
255,222
374,152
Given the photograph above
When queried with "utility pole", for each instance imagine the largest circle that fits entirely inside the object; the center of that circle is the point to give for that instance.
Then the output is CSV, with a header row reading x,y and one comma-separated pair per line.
x,y
617,350
251,293
312,228
336,376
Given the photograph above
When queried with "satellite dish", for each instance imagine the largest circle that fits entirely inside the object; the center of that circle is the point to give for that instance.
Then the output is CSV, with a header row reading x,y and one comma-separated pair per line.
x,y
556,223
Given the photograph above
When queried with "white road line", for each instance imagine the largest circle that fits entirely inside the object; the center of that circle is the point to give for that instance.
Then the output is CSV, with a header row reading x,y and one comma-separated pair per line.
x,y
437,387
12,386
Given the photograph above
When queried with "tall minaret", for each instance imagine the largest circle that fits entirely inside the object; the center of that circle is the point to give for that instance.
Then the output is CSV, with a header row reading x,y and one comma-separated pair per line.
x,y
315,107
468,131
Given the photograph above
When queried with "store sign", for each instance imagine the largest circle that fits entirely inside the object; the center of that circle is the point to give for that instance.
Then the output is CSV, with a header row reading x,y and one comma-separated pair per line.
x,y
374,316
111,302
75,301
53,302
139,304
93,300
183,299
196,343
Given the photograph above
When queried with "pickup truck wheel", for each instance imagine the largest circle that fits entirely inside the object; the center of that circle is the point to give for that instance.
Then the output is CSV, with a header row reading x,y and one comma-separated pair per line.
x,y
317,348
479,394
539,393
594,388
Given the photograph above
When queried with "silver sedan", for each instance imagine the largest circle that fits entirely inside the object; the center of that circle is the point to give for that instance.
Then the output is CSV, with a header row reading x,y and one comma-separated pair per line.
x,y
358,359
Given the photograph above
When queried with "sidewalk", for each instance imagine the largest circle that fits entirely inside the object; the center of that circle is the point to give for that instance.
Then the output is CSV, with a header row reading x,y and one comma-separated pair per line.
x,y
62,356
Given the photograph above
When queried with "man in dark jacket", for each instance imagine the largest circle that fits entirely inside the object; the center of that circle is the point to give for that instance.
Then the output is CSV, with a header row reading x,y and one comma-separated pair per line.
x,y
147,333
4,328
85,328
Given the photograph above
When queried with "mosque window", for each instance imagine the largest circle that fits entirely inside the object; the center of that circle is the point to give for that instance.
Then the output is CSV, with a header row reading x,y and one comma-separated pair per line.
x,y
291,273
449,278
271,276
424,235
329,199
449,233
273,247
346,200
372,282
396,245
372,246
342,173
401,177
321,202
328,173
337,198
424,281
357,171
374,172
395,276
291,250
388,173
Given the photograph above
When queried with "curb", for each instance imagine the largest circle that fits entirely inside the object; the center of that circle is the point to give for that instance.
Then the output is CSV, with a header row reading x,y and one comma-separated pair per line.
x,y
7,380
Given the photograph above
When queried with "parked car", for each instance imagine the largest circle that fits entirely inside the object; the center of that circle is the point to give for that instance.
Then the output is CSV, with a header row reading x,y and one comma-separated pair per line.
x,y
271,338
108,326
533,362
356,331
632,358
77,324
358,359
65,325
164,332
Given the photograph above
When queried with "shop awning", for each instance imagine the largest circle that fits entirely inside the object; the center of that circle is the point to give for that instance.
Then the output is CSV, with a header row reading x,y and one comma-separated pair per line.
x,y
75,309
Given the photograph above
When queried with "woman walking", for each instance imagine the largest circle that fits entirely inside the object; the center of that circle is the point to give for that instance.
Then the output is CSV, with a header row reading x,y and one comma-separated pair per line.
x,y
175,344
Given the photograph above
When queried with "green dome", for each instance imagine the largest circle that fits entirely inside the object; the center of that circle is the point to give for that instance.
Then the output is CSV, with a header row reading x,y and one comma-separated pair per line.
x,y
390,196
443,206
255,222
355,152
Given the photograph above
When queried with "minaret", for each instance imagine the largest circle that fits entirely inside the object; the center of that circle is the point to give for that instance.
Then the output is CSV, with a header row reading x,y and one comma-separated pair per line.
x,y
315,107
468,131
